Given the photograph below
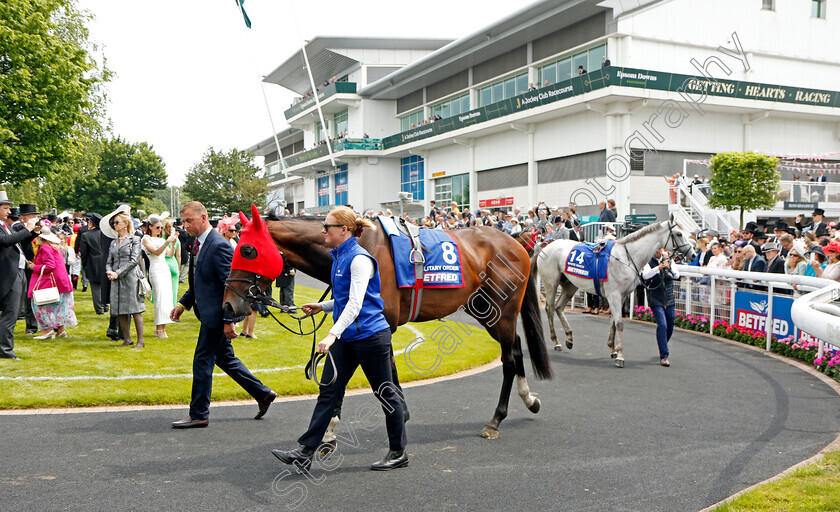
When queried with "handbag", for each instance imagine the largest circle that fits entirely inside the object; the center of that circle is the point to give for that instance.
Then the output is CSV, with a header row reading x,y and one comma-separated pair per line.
x,y
144,289
45,296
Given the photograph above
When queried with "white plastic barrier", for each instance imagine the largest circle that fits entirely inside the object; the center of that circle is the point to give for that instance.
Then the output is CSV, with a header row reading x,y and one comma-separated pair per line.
x,y
812,314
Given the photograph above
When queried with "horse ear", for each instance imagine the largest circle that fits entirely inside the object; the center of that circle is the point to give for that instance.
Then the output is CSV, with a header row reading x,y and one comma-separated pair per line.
x,y
242,218
255,216
672,217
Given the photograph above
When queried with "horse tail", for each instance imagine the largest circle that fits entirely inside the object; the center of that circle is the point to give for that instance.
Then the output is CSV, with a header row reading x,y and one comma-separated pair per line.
x,y
532,323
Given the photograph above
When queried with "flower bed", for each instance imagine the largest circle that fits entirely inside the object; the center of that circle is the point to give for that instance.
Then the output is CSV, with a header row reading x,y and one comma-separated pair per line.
x,y
805,351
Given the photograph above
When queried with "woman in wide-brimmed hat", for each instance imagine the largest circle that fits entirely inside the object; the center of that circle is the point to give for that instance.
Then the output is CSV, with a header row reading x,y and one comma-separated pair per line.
x,y
48,270
123,270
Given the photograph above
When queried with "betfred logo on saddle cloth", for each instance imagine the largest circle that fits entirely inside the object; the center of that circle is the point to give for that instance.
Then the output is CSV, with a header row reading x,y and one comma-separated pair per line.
x,y
442,268
582,262
256,251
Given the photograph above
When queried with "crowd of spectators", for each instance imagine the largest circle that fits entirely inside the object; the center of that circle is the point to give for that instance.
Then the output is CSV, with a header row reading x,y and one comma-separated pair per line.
x,y
317,89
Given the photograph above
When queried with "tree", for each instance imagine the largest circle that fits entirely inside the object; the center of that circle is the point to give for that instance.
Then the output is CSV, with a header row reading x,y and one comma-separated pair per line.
x,y
226,182
127,172
743,181
51,96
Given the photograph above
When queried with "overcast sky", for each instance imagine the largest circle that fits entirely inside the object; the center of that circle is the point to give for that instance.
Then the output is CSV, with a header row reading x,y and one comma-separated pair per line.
x,y
187,70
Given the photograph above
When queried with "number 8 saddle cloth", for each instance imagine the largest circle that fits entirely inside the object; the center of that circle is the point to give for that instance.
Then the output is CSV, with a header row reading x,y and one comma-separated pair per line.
x,y
440,255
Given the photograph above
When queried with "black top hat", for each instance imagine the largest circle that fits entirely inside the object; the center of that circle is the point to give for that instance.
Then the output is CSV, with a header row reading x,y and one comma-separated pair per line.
x,y
13,213
781,226
52,218
791,230
759,234
750,227
28,209
214,222
819,211
95,218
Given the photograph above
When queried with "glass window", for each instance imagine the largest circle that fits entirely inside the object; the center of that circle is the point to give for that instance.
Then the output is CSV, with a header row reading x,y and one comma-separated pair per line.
x,y
549,74
596,57
341,185
510,87
454,107
445,111
484,97
521,84
768,4
465,103
340,123
498,92
564,69
320,132
323,190
436,110
411,176
580,61
818,8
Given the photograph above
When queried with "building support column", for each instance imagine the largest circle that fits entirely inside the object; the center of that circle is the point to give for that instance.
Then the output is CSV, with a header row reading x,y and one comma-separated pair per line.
x,y
470,145
529,130
749,120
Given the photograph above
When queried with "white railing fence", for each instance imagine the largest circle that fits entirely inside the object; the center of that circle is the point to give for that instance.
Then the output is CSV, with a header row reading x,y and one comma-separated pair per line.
x,y
813,314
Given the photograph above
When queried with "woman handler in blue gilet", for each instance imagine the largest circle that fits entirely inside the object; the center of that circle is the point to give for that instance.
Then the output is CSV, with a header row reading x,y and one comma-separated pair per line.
x,y
359,336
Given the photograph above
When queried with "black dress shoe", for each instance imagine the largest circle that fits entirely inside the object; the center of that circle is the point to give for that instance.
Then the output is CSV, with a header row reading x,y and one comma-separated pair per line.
x,y
31,331
265,403
395,459
190,423
301,457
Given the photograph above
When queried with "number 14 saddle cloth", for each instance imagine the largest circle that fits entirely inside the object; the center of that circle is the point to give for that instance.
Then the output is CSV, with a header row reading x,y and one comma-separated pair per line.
x,y
583,261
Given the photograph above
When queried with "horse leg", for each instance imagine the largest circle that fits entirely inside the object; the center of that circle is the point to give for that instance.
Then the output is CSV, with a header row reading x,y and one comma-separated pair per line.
x,y
530,400
491,429
611,340
617,328
568,292
550,301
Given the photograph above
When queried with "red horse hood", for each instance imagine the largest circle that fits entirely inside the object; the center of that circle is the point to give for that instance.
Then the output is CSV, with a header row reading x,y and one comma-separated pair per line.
x,y
256,251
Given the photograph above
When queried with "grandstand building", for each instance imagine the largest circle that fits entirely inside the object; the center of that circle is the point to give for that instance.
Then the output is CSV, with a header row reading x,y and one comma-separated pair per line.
x,y
566,100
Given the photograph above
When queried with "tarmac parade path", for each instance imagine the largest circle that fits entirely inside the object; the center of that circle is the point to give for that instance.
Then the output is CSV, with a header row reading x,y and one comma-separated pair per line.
x,y
720,419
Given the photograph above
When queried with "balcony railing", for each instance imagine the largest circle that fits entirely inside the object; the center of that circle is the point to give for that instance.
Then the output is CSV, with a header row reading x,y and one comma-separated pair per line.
x,y
805,195
338,145
623,77
323,94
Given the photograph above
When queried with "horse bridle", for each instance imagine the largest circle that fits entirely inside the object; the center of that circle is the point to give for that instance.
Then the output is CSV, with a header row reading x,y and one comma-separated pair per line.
x,y
254,294
678,250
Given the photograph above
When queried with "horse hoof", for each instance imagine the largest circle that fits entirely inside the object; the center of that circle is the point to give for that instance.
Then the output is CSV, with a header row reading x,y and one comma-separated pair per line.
x,y
535,408
619,363
569,345
558,348
490,433
614,355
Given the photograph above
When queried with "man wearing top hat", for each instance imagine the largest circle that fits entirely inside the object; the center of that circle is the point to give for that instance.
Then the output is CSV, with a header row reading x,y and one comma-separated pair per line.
x,y
775,263
27,212
819,226
12,263
90,251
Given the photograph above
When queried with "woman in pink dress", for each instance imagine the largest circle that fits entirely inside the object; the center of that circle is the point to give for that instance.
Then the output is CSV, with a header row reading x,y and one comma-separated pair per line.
x,y
51,318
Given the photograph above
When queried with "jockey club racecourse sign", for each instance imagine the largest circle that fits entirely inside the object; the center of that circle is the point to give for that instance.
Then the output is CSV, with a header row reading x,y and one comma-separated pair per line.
x,y
689,87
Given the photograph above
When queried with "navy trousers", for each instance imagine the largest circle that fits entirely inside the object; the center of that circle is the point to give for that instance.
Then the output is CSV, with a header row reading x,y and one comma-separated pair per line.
x,y
374,356
664,327
214,349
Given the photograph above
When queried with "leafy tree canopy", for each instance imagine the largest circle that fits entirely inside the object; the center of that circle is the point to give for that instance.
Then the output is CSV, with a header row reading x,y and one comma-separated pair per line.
x,y
743,181
127,172
51,96
226,182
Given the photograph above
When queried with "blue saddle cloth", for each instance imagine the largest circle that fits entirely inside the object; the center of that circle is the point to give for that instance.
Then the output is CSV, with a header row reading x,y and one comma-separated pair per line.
x,y
442,268
582,262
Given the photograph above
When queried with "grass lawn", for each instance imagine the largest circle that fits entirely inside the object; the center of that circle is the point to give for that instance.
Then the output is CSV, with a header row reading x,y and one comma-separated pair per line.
x,y
815,487
87,368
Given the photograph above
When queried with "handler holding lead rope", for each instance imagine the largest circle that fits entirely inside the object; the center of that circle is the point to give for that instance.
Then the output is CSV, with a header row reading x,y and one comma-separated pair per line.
x,y
363,338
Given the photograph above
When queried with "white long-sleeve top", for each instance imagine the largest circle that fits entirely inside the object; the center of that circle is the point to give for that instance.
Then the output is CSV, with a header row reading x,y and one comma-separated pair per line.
x,y
648,271
361,271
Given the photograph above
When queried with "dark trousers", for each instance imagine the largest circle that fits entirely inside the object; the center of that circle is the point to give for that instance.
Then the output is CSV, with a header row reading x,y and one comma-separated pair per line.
x,y
374,356
214,349
95,294
287,294
9,309
31,324
664,327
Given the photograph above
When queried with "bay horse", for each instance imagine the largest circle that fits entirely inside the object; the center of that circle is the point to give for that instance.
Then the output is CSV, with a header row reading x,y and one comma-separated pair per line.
x,y
629,255
499,284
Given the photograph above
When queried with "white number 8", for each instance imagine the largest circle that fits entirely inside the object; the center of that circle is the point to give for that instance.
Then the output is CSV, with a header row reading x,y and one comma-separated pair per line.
x,y
449,255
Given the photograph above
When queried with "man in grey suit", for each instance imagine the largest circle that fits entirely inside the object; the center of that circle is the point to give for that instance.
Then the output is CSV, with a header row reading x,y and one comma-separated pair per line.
x,y
12,263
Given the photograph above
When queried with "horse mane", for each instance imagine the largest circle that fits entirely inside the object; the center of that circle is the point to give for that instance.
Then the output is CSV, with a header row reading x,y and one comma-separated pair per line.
x,y
632,237
272,216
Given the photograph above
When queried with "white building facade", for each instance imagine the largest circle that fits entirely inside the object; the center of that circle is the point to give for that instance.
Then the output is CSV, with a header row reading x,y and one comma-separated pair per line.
x,y
521,124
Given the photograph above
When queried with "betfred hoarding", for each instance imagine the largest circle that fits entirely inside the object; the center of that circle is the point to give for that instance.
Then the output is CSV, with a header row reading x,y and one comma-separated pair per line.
x,y
493,203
